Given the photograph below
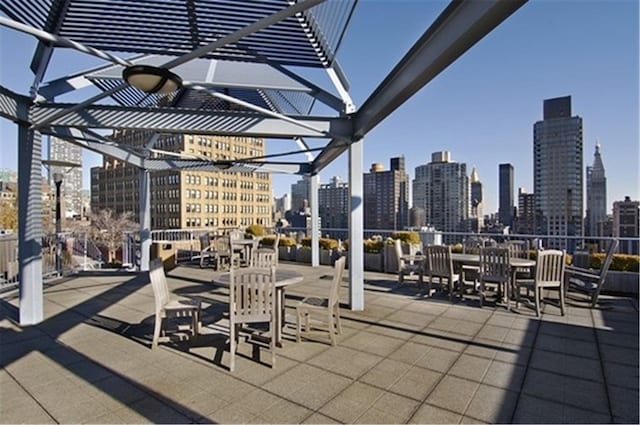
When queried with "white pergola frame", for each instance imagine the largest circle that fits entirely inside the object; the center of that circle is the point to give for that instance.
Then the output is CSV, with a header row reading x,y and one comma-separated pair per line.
x,y
456,29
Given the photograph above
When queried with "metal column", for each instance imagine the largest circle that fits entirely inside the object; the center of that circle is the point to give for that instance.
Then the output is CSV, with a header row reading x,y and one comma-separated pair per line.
x,y
315,230
145,219
30,224
356,227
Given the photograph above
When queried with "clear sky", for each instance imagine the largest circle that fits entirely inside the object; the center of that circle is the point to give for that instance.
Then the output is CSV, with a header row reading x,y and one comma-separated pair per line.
x,y
482,108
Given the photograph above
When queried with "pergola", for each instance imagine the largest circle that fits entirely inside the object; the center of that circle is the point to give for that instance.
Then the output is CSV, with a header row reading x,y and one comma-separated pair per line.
x,y
235,66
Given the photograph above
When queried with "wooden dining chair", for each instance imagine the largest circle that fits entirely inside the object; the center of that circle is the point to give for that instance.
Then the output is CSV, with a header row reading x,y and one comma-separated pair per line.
x,y
166,308
440,267
252,299
548,274
271,248
495,268
407,266
263,259
587,281
327,308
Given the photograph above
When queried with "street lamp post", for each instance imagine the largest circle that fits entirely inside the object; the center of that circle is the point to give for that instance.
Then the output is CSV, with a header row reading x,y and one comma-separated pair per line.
x,y
57,178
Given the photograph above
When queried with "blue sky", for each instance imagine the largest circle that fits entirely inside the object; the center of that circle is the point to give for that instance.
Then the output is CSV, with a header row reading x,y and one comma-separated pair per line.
x,y
482,108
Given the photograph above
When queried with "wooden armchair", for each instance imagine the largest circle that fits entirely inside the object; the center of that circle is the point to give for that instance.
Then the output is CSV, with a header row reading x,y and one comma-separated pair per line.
x,y
589,281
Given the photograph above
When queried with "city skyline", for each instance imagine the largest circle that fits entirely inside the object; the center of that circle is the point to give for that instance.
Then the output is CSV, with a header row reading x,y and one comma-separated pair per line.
x,y
483,107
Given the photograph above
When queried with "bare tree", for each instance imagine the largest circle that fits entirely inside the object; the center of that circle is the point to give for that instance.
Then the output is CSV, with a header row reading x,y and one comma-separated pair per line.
x,y
108,229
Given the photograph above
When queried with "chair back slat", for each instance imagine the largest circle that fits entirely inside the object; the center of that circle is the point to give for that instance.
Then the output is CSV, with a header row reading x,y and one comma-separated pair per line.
x,y
334,293
263,259
158,283
495,264
252,294
550,267
439,260
611,250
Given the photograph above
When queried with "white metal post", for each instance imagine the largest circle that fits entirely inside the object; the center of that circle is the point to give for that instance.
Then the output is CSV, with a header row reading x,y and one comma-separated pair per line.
x,y
315,240
30,224
356,227
145,219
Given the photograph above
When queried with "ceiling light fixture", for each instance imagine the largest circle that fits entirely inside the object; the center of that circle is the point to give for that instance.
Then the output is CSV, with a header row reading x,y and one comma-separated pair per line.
x,y
151,79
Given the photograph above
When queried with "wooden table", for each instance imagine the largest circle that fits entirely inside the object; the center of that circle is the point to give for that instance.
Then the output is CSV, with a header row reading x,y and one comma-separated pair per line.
x,y
284,278
516,263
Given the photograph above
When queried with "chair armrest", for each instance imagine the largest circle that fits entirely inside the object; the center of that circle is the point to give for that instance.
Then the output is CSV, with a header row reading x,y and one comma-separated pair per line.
x,y
578,272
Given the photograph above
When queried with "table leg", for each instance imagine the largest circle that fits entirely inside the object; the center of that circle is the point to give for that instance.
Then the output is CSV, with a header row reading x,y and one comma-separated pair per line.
x,y
280,316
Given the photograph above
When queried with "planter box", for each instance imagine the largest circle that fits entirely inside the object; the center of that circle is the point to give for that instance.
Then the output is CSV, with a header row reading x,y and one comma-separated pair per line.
x,y
374,261
327,257
303,255
622,282
287,253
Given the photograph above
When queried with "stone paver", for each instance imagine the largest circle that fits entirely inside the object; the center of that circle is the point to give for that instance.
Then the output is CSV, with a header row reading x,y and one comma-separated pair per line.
x,y
405,359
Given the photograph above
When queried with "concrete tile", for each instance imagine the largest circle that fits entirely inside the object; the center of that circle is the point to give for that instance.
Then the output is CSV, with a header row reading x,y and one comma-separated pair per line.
x,y
542,384
428,414
409,352
317,418
531,410
417,383
453,394
504,375
389,409
567,346
385,373
470,367
352,402
492,405
23,410
372,343
493,333
621,375
284,412
586,395
231,415
441,339
293,379
614,354
323,388
345,361
624,404
581,416
578,367
438,359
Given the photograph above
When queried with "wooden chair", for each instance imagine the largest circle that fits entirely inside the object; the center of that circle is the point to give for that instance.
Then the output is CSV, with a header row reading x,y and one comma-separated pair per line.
x,y
273,248
328,308
549,274
207,251
409,266
252,299
440,267
264,259
495,268
166,308
588,281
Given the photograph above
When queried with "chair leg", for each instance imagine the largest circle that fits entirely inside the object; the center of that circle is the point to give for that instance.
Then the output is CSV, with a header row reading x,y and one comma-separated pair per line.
x,y
561,295
298,323
332,334
401,277
232,347
156,331
481,292
538,297
272,343
338,321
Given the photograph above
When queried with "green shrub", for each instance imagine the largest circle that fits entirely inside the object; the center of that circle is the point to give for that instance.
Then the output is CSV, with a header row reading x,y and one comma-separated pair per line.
x,y
325,243
255,230
286,241
407,237
268,240
373,246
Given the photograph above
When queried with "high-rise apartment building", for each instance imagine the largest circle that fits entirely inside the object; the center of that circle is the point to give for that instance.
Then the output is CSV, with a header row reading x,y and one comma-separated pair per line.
x,y
505,194
596,196
476,216
557,173
300,198
626,224
188,198
71,196
333,204
441,188
526,217
386,196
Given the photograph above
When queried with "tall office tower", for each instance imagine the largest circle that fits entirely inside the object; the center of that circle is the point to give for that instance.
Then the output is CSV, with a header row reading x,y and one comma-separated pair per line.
x,y
441,188
61,150
300,194
505,189
526,216
557,173
386,196
626,224
596,195
476,214
188,198
333,204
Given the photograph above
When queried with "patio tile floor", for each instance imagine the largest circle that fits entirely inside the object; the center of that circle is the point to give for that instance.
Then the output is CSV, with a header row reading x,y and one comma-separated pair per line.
x,y
405,359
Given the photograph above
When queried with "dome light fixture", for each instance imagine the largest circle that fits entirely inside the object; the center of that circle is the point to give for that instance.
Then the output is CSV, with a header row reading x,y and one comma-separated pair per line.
x,y
152,79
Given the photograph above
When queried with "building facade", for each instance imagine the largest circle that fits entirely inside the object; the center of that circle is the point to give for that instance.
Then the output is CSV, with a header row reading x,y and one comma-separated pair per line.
x,y
441,188
386,196
300,195
626,224
505,194
333,204
526,214
189,198
71,188
596,196
476,215
557,168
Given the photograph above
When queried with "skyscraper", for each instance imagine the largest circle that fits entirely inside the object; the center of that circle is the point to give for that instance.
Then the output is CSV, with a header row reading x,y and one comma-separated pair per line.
x,y
526,218
557,173
300,194
61,150
505,188
476,215
441,188
596,195
333,204
386,196
626,224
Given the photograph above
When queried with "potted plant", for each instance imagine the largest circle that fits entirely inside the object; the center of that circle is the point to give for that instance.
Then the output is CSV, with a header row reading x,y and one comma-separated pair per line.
x,y
373,254
286,248
409,239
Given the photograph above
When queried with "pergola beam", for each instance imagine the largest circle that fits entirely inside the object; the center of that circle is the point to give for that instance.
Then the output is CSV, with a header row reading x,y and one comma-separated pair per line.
x,y
171,120
14,106
461,25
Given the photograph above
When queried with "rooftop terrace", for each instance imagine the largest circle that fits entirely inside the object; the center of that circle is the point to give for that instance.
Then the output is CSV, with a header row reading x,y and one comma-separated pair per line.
x,y
405,359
